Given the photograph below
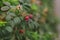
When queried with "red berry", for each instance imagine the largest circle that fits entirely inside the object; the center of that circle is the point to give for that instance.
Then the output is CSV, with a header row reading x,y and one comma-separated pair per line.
x,y
26,18
30,16
21,31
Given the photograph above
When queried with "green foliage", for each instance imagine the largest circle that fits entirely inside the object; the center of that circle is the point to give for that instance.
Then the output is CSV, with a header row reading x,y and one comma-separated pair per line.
x,y
2,23
34,7
42,26
13,2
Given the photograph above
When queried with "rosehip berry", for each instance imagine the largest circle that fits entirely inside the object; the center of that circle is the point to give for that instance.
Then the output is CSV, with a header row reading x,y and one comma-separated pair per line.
x,y
21,31
26,18
30,16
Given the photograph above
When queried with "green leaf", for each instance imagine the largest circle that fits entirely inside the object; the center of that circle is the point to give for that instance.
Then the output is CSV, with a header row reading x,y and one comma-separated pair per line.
x,y
9,29
11,23
34,7
17,20
5,8
7,3
11,14
8,17
2,23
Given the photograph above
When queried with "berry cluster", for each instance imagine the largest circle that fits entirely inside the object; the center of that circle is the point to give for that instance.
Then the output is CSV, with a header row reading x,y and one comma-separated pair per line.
x,y
28,17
